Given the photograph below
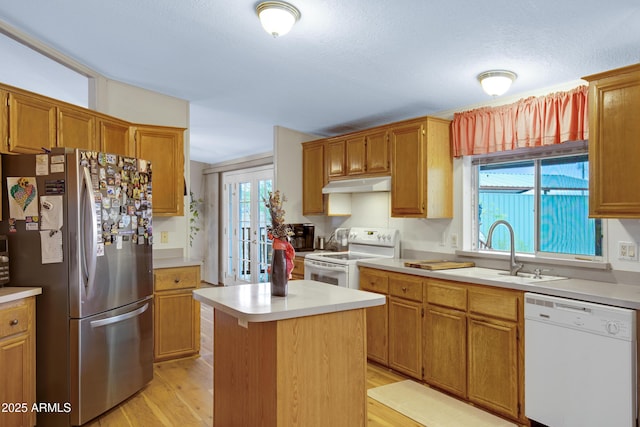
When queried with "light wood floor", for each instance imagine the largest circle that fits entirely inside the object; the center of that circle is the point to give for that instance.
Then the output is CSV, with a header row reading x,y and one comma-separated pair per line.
x,y
181,394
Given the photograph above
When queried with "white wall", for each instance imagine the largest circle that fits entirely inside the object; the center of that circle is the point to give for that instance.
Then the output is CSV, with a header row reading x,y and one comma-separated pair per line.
x,y
138,105
287,163
198,186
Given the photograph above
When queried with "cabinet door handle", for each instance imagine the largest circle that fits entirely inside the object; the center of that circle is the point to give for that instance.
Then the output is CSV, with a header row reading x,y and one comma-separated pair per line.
x,y
404,289
176,280
14,322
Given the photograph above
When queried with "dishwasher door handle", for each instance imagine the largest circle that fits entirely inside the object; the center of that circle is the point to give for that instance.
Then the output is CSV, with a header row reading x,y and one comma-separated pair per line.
x,y
572,307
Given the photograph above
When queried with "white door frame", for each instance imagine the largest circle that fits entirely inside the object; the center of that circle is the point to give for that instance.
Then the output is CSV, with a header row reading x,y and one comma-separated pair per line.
x,y
235,247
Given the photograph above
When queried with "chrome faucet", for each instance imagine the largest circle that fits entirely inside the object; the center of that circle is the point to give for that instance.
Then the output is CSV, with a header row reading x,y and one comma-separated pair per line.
x,y
514,266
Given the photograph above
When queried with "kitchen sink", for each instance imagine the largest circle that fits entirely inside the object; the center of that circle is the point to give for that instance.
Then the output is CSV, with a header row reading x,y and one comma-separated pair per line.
x,y
500,275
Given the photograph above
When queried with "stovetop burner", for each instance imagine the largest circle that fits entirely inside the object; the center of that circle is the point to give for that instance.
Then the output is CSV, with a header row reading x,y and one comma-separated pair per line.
x,y
346,256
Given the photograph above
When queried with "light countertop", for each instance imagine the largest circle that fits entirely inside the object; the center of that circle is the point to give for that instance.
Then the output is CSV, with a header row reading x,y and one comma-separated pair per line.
x,y
617,294
254,303
9,293
173,262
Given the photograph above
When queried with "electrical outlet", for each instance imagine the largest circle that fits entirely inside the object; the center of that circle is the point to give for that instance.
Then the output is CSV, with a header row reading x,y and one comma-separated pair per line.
x,y
627,251
454,240
164,237
622,250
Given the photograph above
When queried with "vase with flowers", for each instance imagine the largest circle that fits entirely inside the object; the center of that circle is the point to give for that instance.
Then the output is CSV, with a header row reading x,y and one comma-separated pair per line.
x,y
282,251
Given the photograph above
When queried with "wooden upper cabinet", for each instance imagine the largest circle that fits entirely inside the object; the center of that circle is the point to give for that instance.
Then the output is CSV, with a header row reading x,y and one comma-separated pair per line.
x,y
356,155
377,153
164,148
359,154
614,108
32,124
4,121
422,175
336,158
115,136
76,128
313,178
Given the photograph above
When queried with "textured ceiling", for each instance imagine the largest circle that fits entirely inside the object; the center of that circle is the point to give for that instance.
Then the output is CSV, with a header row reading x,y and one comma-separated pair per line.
x,y
346,65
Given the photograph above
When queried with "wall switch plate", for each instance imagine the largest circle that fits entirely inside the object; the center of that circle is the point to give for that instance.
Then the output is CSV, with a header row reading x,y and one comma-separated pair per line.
x,y
164,237
454,240
627,251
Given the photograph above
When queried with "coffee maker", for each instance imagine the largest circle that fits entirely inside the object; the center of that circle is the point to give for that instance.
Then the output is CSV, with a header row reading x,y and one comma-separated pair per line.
x,y
303,237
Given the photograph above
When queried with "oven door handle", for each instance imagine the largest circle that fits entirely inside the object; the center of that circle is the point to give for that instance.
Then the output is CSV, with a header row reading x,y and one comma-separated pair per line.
x,y
313,265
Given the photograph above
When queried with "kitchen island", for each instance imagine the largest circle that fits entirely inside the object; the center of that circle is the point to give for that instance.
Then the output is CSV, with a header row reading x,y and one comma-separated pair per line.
x,y
298,360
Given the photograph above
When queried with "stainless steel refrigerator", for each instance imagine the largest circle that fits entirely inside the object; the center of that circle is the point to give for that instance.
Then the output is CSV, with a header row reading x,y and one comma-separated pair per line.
x,y
79,225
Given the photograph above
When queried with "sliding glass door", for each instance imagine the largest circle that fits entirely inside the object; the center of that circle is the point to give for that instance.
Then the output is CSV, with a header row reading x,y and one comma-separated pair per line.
x,y
246,248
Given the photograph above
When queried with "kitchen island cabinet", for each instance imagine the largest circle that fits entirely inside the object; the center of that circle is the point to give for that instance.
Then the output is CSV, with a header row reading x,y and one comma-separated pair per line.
x,y
18,356
298,360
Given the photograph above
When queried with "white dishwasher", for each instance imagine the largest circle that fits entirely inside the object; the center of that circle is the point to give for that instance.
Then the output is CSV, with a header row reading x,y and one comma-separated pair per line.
x,y
580,363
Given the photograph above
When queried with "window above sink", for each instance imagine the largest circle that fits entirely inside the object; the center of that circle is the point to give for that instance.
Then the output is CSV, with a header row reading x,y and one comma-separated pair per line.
x,y
543,193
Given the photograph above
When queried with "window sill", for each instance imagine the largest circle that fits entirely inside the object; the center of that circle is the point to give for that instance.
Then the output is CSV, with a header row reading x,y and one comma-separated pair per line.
x,y
577,262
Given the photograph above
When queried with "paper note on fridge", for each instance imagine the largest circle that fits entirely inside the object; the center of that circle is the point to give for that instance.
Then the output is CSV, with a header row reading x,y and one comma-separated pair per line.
x,y
23,197
51,212
51,246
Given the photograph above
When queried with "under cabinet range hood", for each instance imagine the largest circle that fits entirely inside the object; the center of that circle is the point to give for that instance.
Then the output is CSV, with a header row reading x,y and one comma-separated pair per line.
x,y
362,185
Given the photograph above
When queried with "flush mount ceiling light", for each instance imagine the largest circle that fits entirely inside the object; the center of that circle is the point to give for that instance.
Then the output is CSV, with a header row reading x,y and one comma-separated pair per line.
x,y
496,82
277,17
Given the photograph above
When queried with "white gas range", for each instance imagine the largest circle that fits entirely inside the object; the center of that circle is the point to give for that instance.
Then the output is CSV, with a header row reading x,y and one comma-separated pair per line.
x,y
339,268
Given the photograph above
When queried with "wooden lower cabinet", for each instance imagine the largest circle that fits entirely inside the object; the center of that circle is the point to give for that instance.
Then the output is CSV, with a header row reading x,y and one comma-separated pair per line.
x,y
445,349
494,371
17,362
176,313
298,268
405,336
462,338
377,317
405,324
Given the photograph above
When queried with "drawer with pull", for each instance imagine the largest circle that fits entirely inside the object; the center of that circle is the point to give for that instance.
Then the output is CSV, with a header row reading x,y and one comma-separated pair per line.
x,y
14,320
374,280
176,278
405,286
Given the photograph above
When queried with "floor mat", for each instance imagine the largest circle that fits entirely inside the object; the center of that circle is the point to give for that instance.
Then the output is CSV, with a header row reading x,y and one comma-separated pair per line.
x,y
432,408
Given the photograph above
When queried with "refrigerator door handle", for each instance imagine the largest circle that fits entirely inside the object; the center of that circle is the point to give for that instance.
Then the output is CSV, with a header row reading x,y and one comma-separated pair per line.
x,y
89,250
120,317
